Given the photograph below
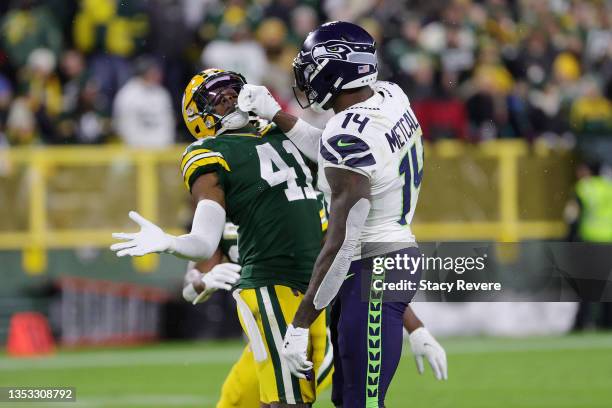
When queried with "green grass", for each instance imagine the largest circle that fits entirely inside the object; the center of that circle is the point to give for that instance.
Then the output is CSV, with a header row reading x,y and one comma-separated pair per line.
x,y
538,372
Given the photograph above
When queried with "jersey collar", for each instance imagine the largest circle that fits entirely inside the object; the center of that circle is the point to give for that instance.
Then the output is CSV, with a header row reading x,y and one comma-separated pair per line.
x,y
249,130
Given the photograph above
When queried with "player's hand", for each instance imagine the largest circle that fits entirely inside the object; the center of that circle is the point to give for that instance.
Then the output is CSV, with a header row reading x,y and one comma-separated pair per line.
x,y
294,351
423,344
190,293
257,99
221,276
148,240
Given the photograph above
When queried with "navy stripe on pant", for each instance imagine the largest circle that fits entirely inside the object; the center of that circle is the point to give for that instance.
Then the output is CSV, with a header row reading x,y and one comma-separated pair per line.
x,y
367,336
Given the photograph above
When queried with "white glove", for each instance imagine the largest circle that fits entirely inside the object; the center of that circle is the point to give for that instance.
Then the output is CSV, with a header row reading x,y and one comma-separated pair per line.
x,y
221,276
295,347
149,239
257,99
422,343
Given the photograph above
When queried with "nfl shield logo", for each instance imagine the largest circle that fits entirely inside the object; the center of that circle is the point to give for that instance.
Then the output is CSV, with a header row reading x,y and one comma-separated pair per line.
x,y
362,69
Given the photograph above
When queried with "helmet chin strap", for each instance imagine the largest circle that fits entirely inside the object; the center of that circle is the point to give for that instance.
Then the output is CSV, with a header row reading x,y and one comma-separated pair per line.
x,y
319,107
235,120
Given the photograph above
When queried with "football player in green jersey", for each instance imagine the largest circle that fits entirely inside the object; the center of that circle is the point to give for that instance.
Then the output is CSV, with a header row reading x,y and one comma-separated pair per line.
x,y
258,180
241,387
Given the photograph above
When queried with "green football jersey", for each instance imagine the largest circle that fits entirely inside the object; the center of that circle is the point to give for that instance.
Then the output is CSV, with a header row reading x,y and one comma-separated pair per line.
x,y
229,240
269,196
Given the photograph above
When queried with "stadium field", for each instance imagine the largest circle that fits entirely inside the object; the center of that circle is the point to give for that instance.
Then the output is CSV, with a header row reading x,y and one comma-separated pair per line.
x,y
538,372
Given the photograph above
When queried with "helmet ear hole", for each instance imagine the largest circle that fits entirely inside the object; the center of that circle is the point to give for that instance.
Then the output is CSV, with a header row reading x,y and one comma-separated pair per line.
x,y
197,129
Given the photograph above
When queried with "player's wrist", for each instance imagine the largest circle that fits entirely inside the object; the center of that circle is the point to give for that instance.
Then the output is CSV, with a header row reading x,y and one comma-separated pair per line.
x,y
419,335
171,244
269,110
189,293
276,114
205,294
208,282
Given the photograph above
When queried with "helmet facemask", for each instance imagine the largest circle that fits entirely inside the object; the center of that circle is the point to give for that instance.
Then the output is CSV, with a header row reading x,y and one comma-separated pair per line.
x,y
305,95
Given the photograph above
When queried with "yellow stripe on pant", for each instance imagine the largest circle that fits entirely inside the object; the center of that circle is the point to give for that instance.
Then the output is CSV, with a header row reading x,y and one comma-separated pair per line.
x,y
241,386
273,308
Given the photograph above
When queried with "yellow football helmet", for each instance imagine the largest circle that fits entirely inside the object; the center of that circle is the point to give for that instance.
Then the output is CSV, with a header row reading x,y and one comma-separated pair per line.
x,y
200,97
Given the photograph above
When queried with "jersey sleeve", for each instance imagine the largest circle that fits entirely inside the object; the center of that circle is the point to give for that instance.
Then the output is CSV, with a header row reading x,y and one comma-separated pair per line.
x,y
347,150
201,158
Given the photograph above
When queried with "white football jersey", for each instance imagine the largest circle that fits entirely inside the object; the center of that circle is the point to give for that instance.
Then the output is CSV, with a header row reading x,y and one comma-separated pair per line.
x,y
381,139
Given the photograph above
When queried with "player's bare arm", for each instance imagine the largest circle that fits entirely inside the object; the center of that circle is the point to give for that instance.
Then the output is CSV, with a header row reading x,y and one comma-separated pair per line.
x,y
411,320
348,188
349,208
207,187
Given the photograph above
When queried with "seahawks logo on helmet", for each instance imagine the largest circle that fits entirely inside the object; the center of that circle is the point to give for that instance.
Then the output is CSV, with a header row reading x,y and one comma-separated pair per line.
x,y
342,50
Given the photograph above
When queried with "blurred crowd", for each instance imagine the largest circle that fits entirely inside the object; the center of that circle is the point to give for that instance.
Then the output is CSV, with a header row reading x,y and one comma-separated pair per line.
x,y
99,71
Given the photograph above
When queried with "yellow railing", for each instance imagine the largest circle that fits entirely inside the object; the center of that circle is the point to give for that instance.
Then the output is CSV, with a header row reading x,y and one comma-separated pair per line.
x,y
508,227
39,164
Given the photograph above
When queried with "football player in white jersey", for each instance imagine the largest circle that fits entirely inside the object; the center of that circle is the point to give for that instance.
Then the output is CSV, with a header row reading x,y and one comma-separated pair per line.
x,y
370,158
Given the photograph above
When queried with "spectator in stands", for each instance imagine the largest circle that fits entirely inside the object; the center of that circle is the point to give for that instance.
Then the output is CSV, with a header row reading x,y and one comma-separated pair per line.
x,y
458,57
20,122
566,75
420,85
142,110
304,19
591,113
520,111
87,122
41,95
168,40
110,31
347,10
535,57
484,108
534,54
6,95
272,35
74,75
404,53
26,27
281,9
85,117
545,106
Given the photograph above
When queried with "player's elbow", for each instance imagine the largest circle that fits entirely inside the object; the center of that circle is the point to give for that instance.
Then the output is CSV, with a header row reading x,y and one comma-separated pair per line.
x,y
195,247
